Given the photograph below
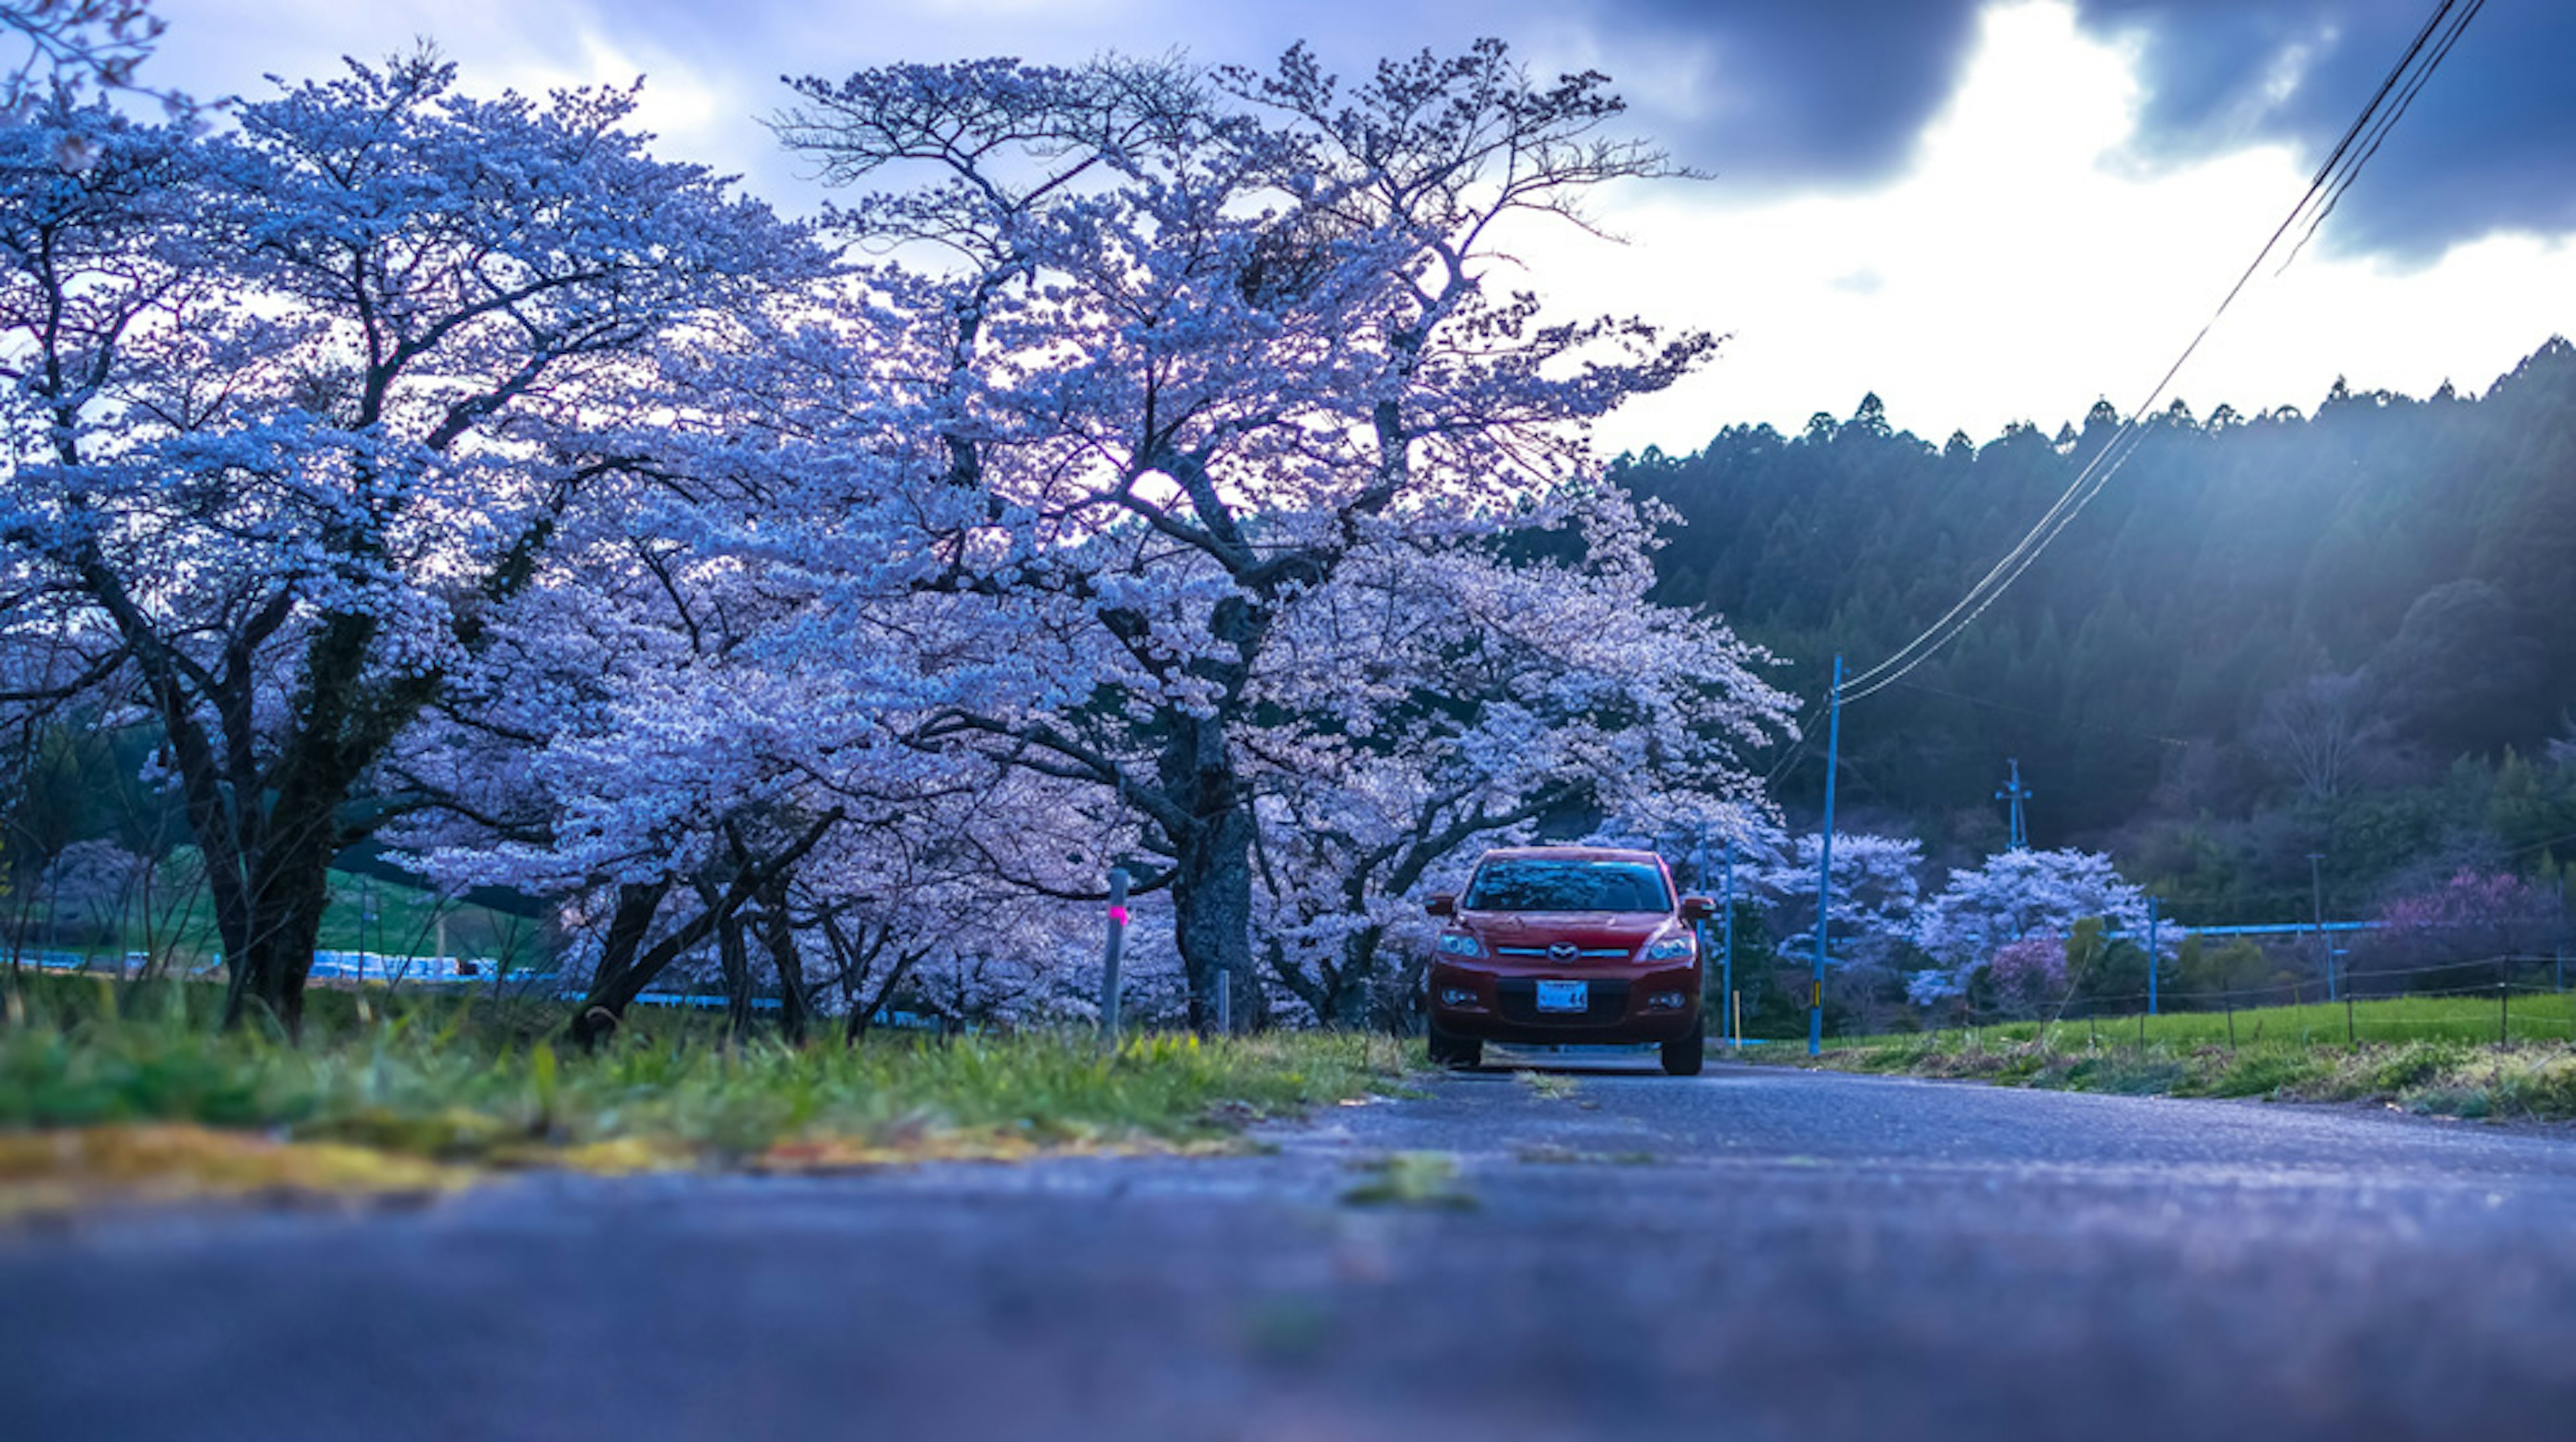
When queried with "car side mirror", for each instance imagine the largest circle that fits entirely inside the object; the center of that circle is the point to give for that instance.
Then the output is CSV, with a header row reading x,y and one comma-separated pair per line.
x,y
1442,903
1698,908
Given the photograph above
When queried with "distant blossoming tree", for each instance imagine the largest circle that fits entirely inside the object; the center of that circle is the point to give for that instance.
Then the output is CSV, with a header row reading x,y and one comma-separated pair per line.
x,y
2475,916
1876,890
2019,899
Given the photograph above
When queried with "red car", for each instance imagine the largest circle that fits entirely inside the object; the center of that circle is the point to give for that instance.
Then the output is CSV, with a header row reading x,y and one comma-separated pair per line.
x,y
1568,944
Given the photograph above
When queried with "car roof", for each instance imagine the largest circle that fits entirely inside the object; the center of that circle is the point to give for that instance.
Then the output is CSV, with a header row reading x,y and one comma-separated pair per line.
x,y
1572,853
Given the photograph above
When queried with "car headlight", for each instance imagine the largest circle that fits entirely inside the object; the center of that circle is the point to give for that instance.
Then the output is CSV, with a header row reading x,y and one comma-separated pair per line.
x,y
1676,945
1459,943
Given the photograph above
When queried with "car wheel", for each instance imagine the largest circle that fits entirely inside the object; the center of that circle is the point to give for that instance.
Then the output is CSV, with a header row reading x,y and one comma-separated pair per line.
x,y
1686,1056
1452,1051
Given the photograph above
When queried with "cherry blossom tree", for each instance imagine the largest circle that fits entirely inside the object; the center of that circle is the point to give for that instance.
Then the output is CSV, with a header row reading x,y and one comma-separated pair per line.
x,y
1453,701
2021,897
1179,346
1876,890
296,409
2476,917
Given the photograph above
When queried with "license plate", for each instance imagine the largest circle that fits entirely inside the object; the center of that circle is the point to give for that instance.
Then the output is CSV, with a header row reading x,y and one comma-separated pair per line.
x,y
1564,996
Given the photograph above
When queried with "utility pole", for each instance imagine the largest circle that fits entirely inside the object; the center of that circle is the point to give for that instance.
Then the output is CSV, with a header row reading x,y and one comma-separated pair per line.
x,y
2016,793
2152,955
1731,1023
1825,866
2317,886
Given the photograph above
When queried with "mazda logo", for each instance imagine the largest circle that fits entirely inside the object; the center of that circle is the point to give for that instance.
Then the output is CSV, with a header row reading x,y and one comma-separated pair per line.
x,y
1563,951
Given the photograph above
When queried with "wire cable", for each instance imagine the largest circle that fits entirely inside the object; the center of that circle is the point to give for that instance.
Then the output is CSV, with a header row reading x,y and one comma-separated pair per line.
x,y
2379,134
2332,178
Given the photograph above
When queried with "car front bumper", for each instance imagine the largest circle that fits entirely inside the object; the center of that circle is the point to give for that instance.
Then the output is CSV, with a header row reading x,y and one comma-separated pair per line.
x,y
1495,1001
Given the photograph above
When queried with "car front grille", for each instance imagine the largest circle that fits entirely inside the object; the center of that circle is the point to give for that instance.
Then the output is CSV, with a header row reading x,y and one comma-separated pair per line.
x,y
1589,953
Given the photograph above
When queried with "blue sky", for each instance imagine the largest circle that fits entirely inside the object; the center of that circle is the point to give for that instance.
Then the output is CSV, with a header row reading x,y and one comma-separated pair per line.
x,y
1982,211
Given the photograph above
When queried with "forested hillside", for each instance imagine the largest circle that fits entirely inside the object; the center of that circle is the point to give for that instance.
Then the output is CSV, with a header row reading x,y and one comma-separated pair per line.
x,y
2276,633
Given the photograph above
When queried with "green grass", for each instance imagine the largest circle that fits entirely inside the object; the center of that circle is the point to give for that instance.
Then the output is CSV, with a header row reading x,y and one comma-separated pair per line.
x,y
2437,1055
473,1081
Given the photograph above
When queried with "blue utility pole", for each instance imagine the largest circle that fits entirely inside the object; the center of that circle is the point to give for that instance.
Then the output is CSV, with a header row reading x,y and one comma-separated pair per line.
x,y
1726,1025
2016,793
1825,867
2151,956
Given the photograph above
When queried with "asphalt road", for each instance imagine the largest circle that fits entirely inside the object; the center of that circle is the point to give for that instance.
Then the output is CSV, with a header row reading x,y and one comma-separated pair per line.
x,y
1750,1254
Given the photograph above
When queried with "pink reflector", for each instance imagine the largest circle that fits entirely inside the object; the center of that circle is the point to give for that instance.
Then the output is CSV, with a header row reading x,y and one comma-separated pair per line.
x,y
1118,914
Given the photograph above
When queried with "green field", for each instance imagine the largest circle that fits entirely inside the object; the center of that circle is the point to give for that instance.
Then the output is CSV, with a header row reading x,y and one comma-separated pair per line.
x,y
2437,1055
174,924
2530,1016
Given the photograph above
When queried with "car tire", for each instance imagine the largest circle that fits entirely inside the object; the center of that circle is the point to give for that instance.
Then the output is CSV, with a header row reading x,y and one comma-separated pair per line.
x,y
1452,1051
1686,1056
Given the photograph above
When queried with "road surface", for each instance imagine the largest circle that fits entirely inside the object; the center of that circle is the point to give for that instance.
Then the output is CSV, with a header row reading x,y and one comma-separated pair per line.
x,y
1749,1254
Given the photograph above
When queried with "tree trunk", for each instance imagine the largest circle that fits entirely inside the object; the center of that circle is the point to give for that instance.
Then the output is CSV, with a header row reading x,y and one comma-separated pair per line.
x,y
1359,968
628,925
1212,903
735,958
780,937
290,884
286,927
1316,991
611,994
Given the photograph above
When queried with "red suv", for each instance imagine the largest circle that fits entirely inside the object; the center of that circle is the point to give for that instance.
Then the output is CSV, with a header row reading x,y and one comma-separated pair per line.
x,y
1568,944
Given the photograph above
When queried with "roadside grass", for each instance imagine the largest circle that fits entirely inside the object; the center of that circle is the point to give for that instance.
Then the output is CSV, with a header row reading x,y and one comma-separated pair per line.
x,y
2432,1055
473,1084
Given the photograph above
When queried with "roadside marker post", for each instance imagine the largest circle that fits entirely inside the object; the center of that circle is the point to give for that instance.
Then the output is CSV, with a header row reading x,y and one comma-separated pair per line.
x,y
1109,959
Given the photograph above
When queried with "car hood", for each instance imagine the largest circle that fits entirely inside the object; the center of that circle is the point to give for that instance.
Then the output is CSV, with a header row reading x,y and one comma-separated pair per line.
x,y
1624,929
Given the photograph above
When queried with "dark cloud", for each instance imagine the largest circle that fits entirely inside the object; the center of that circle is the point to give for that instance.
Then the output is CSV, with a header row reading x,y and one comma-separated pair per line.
x,y
2489,145
1819,89
1835,91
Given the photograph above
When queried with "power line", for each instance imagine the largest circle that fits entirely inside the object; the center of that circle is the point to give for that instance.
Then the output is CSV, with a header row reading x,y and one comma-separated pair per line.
x,y
2332,178
2397,112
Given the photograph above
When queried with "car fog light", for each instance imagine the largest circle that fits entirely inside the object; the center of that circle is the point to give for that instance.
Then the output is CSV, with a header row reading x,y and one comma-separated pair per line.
x,y
1457,996
1666,1000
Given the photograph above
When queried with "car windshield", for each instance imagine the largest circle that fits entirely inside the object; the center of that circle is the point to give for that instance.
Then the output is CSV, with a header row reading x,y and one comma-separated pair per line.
x,y
1556,883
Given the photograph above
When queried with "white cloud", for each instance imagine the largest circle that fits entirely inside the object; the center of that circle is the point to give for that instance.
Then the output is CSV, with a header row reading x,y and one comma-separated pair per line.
x,y
2023,267
2024,264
